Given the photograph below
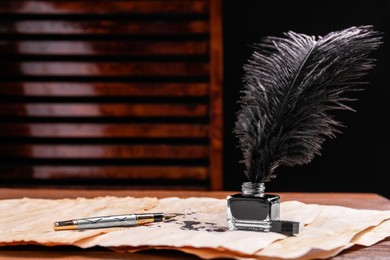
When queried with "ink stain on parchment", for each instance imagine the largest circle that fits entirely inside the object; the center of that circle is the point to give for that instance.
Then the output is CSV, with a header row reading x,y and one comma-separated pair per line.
x,y
212,227
190,225
199,226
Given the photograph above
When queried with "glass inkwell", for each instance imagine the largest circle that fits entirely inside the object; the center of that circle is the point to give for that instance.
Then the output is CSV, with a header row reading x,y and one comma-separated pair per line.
x,y
252,209
290,86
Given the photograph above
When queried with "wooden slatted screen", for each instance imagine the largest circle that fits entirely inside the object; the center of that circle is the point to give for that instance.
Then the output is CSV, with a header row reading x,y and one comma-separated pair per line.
x,y
111,92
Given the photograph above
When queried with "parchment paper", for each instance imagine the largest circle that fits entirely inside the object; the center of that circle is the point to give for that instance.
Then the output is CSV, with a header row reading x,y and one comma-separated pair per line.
x,y
202,230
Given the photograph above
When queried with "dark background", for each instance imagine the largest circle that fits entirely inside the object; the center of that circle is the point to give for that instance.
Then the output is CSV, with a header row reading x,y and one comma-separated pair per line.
x,y
358,159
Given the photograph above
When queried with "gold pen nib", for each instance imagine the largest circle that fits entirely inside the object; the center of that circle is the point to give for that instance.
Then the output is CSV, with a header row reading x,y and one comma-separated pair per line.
x,y
171,215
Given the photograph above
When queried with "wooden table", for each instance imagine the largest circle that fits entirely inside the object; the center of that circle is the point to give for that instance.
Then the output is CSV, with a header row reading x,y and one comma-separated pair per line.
x,y
353,200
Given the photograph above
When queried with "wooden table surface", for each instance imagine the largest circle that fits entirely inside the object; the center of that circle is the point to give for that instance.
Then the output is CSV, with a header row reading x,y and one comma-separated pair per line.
x,y
380,250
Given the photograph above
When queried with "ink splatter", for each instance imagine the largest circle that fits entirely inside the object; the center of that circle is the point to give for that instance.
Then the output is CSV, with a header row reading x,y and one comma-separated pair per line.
x,y
216,230
197,226
189,225
189,213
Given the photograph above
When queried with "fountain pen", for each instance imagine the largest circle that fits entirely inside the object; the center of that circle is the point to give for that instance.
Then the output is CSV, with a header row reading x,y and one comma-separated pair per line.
x,y
128,220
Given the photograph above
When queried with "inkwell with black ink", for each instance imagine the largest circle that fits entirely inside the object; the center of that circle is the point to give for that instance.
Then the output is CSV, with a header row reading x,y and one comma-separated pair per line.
x,y
291,85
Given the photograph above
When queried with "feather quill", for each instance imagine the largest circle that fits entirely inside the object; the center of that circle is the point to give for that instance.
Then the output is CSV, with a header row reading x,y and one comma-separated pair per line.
x,y
291,85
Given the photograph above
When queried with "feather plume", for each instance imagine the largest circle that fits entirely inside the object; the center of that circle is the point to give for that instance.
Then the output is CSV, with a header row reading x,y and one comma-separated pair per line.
x,y
291,86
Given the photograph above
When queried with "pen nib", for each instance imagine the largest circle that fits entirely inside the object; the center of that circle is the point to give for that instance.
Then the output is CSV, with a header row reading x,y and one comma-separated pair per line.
x,y
171,215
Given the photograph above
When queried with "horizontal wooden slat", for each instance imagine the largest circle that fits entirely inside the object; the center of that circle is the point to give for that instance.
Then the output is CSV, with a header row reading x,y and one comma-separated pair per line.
x,y
107,27
69,89
101,48
68,68
99,110
106,172
79,151
103,7
64,130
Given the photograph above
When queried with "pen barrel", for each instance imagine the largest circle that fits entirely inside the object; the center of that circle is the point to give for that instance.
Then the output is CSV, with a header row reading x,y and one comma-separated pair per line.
x,y
111,221
106,222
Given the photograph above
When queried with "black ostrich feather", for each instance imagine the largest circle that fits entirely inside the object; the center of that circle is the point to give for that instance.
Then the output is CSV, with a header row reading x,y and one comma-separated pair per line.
x,y
291,86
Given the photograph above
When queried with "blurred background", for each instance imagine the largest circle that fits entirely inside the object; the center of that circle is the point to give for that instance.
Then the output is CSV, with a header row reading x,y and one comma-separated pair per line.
x,y
143,94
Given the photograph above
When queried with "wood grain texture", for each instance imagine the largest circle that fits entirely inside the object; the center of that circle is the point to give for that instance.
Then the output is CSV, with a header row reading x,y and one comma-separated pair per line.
x,y
109,151
103,48
101,89
107,27
215,93
103,7
157,172
104,69
102,130
101,110
352,200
